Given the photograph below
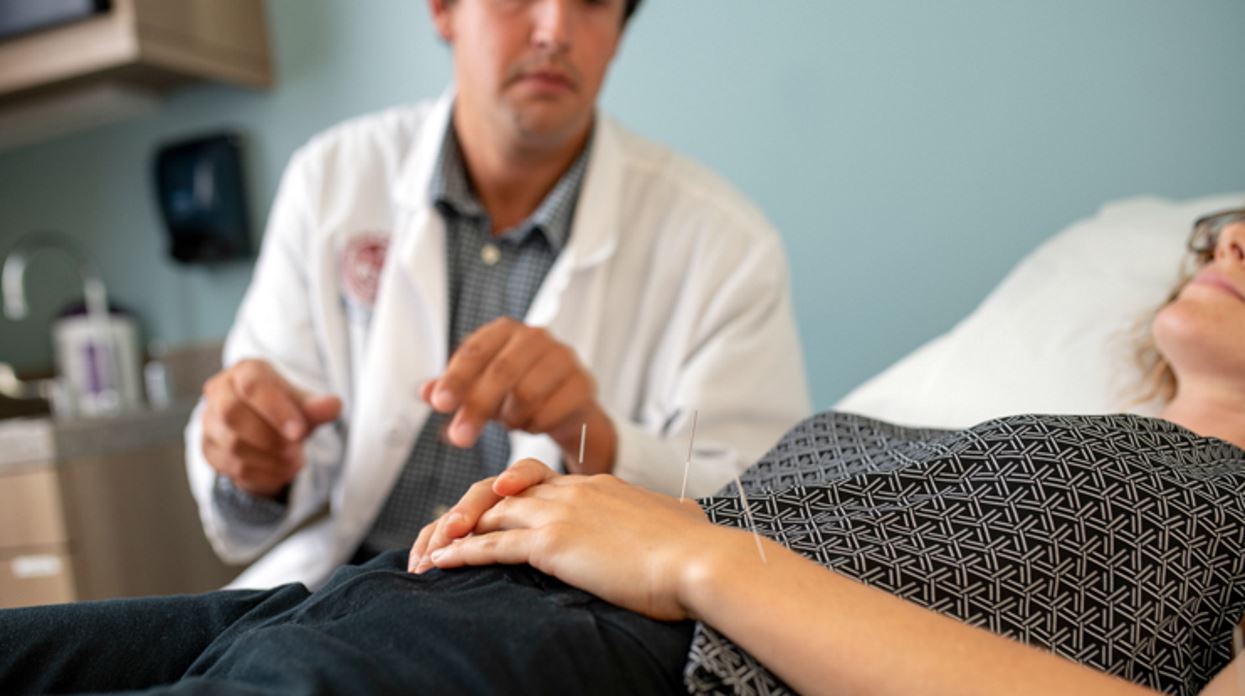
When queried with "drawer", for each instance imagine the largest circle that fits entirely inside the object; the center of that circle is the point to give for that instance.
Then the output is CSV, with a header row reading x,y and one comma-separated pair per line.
x,y
37,577
30,510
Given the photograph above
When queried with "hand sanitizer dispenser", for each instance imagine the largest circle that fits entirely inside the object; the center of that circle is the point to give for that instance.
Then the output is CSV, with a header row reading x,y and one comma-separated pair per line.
x,y
202,198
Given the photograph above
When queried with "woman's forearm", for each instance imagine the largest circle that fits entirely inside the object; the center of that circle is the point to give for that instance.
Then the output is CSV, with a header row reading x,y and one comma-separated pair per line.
x,y
824,633
819,631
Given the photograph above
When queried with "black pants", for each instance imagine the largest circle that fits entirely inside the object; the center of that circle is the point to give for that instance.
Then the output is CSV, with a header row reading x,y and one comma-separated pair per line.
x,y
374,629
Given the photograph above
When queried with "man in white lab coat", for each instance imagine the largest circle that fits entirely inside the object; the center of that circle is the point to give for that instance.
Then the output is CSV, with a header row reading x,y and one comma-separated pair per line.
x,y
503,273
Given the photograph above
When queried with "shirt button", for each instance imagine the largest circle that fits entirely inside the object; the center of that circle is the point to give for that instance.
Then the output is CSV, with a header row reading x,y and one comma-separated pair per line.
x,y
490,254
440,510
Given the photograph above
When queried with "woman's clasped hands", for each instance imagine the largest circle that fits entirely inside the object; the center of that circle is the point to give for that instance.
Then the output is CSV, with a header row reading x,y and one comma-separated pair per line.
x,y
623,543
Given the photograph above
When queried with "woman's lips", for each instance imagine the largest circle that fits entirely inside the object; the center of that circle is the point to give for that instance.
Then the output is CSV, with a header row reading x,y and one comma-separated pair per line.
x,y
1215,279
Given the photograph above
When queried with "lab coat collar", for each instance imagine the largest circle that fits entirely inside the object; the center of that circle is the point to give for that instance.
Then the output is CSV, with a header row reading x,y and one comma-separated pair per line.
x,y
595,225
411,187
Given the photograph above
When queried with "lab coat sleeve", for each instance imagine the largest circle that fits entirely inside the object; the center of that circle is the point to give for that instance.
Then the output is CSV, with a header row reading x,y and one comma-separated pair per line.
x,y
739,366
277,322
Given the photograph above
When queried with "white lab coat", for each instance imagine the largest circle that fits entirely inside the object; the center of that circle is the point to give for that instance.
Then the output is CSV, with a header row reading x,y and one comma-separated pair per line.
x,y
673,290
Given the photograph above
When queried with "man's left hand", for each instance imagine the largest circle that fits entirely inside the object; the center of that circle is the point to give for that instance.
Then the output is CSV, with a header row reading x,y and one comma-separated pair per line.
x,y
522,377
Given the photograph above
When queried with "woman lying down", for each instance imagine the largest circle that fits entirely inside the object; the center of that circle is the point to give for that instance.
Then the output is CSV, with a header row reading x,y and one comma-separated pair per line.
x,y
1072,554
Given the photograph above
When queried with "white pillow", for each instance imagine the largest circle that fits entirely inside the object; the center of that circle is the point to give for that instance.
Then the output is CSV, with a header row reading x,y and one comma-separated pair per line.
x,y
1054,336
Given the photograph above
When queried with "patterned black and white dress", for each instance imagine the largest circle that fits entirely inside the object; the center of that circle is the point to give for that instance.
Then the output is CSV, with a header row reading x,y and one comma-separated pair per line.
x,y
1115,541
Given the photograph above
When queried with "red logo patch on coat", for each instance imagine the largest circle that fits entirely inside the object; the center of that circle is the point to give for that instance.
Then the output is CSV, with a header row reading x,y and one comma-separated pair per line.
x,y
361,264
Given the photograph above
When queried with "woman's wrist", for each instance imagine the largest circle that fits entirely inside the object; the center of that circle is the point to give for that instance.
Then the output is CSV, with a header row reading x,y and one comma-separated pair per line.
x,y
716,556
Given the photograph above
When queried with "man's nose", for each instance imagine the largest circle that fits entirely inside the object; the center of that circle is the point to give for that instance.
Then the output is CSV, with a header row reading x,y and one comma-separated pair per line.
x,y
1232,243
551,28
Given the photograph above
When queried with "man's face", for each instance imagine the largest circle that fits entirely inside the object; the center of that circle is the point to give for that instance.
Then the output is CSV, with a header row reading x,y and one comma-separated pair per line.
x,y
530,70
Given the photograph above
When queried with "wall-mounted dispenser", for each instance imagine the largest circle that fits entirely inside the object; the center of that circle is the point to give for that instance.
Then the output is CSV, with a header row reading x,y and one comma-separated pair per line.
x,y
202,198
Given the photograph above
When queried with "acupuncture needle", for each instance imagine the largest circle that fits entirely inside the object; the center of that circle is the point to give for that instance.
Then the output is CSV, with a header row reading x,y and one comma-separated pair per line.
x,y
688,464
583,437
743,498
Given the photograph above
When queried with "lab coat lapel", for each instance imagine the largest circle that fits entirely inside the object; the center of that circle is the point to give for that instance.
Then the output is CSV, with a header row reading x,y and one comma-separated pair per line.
x,y
407,345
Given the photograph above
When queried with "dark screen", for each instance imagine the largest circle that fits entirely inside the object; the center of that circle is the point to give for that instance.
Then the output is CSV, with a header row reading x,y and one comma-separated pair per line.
x,y
21,16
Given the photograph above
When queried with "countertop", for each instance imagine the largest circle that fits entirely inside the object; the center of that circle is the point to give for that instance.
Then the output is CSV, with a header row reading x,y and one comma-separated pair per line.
x,y
39,441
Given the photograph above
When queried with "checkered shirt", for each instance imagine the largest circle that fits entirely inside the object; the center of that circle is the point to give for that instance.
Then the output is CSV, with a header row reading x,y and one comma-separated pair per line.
x,y
489,277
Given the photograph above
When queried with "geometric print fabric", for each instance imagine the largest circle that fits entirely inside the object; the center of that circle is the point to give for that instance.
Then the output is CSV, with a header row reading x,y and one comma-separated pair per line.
x,y
1114,541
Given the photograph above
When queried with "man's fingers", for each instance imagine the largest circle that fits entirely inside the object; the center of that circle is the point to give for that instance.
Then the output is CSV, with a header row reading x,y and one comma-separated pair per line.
x,y
321,409
256,472
509,372
230,421
271,397
425,391
569,398
469,361
529,395
254,424
507,547
290,411
485,395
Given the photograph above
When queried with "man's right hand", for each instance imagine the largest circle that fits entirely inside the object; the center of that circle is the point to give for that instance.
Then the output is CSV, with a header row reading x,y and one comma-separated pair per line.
x,y
254,425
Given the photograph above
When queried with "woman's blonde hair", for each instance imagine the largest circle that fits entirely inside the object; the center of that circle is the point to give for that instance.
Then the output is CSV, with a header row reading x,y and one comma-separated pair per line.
x,y
1158,381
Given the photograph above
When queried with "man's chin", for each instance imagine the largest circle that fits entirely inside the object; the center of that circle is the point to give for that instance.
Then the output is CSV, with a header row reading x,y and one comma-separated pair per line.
x,y
544,128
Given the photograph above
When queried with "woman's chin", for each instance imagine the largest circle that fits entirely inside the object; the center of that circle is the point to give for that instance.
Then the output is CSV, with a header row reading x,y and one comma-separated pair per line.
x,y
1197,337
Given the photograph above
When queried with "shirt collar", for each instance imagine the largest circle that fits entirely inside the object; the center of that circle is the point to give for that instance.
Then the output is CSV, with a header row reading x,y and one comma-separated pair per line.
x,y
449,187
451,193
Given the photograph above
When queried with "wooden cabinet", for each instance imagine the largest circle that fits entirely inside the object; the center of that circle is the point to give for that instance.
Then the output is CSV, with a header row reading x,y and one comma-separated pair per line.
x,y
108,514
118,64
34,559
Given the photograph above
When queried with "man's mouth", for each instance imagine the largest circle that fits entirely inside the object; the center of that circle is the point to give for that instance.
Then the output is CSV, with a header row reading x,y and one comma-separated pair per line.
x,y
549,78
553,72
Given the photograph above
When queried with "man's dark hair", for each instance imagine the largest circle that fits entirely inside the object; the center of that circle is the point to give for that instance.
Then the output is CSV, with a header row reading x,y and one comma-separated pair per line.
x,y
628,9
632,6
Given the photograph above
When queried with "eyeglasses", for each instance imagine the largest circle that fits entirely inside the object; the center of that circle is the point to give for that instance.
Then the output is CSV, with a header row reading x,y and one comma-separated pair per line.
x,y
1206,231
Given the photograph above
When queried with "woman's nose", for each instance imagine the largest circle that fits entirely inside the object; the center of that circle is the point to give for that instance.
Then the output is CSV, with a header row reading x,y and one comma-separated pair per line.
x,y
1232,243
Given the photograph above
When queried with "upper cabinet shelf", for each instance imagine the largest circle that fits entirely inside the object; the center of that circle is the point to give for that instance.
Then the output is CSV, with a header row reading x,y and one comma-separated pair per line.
x,y
118,63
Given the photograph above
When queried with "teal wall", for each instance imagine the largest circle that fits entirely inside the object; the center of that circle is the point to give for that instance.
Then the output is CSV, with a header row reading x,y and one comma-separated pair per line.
x,y
909,151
